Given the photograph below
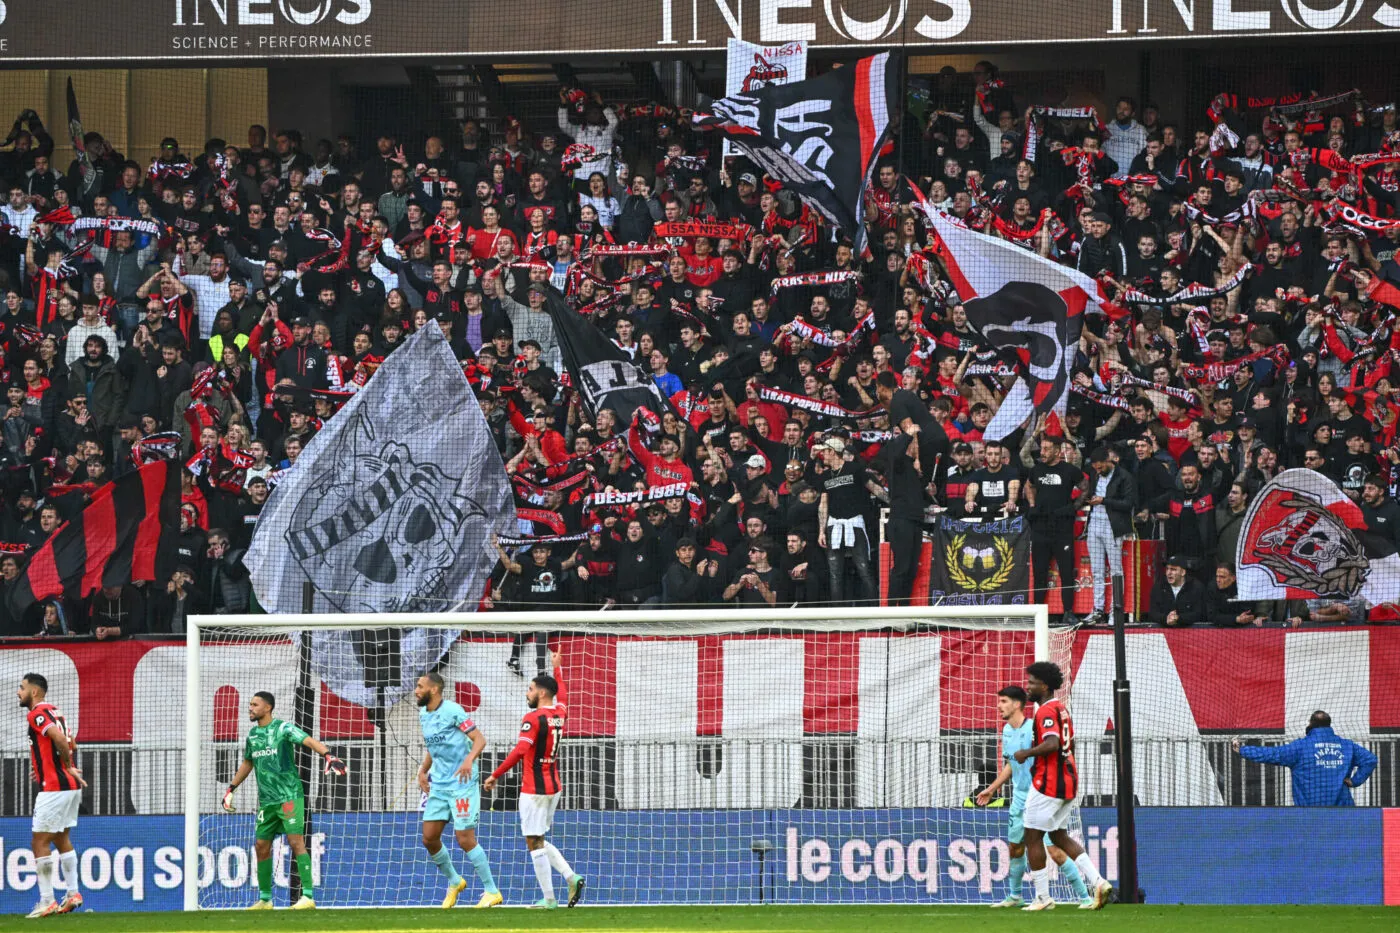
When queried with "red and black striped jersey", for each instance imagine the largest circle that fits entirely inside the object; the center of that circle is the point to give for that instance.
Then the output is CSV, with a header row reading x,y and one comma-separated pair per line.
x,y
537,747
542,728
43,751
1054,774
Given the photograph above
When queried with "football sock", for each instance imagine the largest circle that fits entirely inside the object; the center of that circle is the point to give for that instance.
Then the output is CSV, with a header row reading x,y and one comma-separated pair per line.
x,y
1087,869
1075,879
46,866
1041,879
542,872
265,879
556,858
443,861
308,886
477,857
68,861
1016,878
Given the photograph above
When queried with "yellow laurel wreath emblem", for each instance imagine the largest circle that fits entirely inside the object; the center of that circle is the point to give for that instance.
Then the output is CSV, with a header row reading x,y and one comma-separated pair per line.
x,y
965,581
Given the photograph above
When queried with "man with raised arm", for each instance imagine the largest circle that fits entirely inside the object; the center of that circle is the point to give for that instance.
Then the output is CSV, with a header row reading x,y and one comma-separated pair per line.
x,y
538,747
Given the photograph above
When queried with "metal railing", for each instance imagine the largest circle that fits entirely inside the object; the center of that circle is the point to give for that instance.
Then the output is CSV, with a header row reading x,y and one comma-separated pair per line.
x,y
831,772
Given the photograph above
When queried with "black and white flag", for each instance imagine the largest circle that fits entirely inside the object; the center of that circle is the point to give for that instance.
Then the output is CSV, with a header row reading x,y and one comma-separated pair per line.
x,y
605,374
390,508
819,137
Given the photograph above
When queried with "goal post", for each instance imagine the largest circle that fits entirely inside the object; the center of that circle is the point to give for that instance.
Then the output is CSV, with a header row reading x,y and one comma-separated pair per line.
x,y
806,755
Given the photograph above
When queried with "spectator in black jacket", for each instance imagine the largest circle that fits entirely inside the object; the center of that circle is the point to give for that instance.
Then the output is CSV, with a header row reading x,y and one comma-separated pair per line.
x,y
1101,249
682,585
303,362
639,567
1224,608
1177,599
1380,511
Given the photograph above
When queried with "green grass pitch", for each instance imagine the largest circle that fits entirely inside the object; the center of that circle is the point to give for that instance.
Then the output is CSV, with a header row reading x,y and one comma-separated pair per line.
x,y
1114,919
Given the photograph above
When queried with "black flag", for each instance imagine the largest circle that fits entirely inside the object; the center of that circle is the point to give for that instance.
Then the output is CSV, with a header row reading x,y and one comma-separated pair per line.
x,y
75,123
605,374
818,137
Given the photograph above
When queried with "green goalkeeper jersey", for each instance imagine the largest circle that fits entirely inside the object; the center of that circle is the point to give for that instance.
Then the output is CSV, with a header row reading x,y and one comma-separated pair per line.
x,y
272,750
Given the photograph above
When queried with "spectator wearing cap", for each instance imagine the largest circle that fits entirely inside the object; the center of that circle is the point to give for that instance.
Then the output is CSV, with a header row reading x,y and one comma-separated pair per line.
x,y
530,321
1101,250
1178,598
303,362
1112,497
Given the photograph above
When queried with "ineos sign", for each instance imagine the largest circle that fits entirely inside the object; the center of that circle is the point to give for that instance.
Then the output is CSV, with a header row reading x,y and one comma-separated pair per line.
x,y
856,22
269,12
779,21
1226,18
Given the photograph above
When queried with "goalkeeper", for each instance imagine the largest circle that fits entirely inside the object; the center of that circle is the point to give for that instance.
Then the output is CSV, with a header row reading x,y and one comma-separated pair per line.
x,y
270,753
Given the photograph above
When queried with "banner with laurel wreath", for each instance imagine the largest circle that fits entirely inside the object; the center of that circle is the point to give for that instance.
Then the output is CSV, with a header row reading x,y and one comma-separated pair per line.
x,y
980,563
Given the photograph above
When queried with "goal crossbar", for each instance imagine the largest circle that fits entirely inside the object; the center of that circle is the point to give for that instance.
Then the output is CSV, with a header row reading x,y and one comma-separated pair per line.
x,y
636,623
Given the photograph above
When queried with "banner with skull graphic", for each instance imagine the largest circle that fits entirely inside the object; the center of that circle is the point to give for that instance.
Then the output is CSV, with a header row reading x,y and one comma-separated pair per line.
x,y
1030,308
1303,538
980,563
390,508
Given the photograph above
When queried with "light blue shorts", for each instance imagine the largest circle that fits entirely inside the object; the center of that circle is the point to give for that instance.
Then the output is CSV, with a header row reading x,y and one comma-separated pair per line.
x,y
461,805
1016,831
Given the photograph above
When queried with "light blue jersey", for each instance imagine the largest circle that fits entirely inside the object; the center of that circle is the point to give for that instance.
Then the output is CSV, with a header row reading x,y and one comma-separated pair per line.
x,y
1012,741
447,733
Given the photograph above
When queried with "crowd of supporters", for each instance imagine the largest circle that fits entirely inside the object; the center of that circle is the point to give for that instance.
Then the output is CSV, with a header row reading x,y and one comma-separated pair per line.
x,y
219,304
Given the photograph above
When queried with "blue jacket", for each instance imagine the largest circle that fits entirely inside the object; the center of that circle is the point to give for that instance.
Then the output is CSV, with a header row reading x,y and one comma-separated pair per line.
x,y
1321,761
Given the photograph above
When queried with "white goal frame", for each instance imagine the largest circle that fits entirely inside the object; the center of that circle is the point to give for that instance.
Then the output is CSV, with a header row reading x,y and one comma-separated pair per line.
x,y
702,621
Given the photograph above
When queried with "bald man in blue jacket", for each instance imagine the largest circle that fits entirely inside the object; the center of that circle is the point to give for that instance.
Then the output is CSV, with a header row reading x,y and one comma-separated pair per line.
x,y
1325,766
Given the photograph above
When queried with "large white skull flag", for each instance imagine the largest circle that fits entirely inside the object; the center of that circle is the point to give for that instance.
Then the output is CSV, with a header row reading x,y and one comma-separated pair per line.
x,y
390,508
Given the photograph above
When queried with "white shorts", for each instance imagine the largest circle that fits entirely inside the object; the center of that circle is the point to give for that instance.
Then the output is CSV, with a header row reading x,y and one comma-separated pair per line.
x,y
1047,814
537,813
56,810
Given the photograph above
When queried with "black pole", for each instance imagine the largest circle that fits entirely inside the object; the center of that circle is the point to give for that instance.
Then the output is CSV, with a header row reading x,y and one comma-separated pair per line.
x,y
1123,749
303,717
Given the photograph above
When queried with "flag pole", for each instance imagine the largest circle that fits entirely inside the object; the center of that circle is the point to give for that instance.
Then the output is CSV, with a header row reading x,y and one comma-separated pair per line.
x,y
304,718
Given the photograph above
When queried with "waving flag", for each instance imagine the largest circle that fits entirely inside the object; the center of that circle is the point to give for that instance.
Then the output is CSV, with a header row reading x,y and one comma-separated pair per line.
x,y
819,137
1022,303
605,374
1304,539
112,542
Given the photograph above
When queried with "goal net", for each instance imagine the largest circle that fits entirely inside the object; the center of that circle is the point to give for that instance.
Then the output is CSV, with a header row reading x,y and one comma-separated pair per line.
x,y
794,756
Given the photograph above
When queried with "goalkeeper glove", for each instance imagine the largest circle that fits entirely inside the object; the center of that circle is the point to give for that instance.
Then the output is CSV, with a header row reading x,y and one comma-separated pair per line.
x,y
335,766
228,800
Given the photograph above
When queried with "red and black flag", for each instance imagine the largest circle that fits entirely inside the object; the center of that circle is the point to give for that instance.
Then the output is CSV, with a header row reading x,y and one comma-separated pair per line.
x,y
110,543
1027,307
819,137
